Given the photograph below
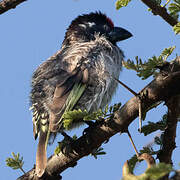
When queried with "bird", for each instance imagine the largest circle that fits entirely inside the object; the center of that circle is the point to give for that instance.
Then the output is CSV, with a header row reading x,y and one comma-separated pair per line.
x,y
78,76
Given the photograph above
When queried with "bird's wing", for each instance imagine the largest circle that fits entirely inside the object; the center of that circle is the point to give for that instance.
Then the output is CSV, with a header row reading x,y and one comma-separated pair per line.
x,y
66,95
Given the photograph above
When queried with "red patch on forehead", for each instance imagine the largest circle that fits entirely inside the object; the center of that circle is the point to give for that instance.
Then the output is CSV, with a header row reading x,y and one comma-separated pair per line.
x,y
110,22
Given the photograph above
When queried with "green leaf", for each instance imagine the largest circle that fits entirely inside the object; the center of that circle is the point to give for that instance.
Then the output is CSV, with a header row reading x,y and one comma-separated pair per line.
x,y
16,162
158,140
97,115
121,3
167,52
176,28
72,99
115,107
78,114
174,9
148,68
74,137
97,152
132,162
158,171
58,148
152,127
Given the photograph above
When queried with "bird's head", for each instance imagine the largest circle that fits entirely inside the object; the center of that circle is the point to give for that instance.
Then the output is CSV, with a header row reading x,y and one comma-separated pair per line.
x,y
84,28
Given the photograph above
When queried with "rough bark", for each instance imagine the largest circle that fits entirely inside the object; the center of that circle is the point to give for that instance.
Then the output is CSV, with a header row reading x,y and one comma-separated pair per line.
x,y
169,136
164,87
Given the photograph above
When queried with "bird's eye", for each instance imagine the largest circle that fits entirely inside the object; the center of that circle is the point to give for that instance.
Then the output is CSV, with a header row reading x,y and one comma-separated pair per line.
x,y
106,27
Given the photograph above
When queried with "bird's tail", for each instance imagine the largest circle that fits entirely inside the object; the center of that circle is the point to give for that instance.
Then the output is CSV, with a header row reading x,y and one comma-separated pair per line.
x,y
41,158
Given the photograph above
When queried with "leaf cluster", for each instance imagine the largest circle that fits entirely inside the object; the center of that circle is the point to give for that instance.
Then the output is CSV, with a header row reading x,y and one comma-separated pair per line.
x,y
155,172
121,3
176,28
152,127
133,161
158,171
65,142
148,129
16,162
148,68
77,114
174,9
97,152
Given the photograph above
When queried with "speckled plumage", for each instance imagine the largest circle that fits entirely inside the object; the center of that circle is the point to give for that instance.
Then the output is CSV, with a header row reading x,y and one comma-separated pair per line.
x,y
90,56
101,58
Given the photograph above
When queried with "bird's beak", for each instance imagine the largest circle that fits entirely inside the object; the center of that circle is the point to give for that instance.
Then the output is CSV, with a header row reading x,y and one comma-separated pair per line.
x,y
119,34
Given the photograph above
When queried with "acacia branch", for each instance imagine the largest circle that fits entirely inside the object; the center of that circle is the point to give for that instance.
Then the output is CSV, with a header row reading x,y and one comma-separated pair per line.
x,y
161,11
169,136
9,4
160,89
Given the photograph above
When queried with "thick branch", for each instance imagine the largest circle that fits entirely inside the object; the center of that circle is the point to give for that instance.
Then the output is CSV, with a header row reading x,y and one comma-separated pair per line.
x,y
9,4
160,89
169,144
161,11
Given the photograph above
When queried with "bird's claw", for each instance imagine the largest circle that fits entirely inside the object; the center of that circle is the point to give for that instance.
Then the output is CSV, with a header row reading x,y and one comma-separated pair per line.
x,y
66,144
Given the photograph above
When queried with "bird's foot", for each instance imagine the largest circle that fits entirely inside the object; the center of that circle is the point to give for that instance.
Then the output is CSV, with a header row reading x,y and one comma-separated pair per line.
x,y
66,144
87,131
91,126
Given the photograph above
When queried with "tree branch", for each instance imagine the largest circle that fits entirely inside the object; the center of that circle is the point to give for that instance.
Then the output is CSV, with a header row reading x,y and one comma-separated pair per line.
x,y
169,144
161,11
9,4
160,89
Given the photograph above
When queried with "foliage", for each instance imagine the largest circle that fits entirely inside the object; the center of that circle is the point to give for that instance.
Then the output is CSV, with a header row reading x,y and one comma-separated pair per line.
x,y
158,171
100,114
148,129
97,152
159,140
149,67
176,28
174,8
133,161
152,127
121,3
72,99
78,114
153,172
71,116
63,143
58,148
16,162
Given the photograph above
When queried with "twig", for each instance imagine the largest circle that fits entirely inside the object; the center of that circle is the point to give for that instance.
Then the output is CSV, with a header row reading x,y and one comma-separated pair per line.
x,y
124,85
139,100
9,4
132,142
22,170
161,11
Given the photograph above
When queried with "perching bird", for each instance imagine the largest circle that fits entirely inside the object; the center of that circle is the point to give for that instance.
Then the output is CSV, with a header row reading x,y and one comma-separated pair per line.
x,y
78,76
